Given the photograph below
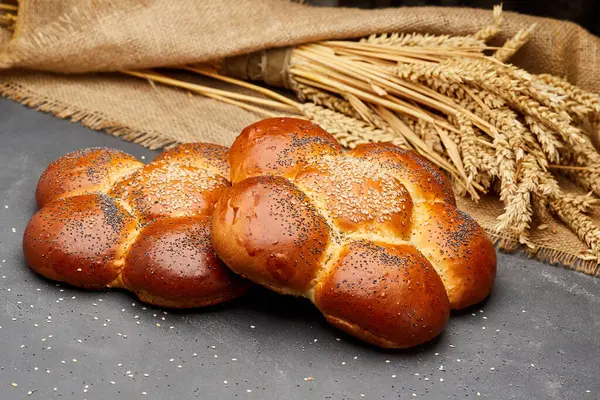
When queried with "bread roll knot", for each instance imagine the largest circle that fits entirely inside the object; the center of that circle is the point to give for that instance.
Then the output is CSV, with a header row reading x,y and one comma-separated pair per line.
x,y
371,236
107,220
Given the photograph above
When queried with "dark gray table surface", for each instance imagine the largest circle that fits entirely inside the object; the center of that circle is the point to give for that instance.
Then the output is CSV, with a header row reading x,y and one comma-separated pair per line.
x,y
536,337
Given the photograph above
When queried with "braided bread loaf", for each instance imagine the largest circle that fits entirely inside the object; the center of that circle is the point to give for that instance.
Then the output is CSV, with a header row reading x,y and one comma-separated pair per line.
x,y
371,236
107,220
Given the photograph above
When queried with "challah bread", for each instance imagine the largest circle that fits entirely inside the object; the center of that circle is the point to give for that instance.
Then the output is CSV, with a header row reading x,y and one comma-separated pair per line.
x,y
372,236
108,220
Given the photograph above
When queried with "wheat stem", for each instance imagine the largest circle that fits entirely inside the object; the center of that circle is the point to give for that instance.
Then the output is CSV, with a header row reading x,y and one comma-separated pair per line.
x,y
257,110
574,168
8,7
205,90
207,71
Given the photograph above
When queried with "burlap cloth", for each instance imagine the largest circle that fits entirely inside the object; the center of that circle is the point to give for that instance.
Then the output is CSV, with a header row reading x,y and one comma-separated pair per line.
x,y
87,36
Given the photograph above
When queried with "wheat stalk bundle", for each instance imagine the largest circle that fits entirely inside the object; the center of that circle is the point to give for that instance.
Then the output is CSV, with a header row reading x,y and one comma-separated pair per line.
x,y
492,127
502,129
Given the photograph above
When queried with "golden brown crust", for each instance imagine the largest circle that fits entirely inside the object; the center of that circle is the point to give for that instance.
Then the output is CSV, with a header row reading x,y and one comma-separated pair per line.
x,y
83,171
424,181
163,189
79,240
388,295
172,264
459,250
83,239
370,278
268,230
278,146
358,198
208,156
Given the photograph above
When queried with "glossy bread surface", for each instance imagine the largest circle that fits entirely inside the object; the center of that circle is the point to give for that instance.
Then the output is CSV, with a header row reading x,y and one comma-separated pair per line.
x,y
107,220
372,236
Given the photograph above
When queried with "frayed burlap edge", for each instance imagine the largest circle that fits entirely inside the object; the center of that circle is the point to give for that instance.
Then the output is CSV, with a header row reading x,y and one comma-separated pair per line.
x,y
89,119
547,254
155,140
